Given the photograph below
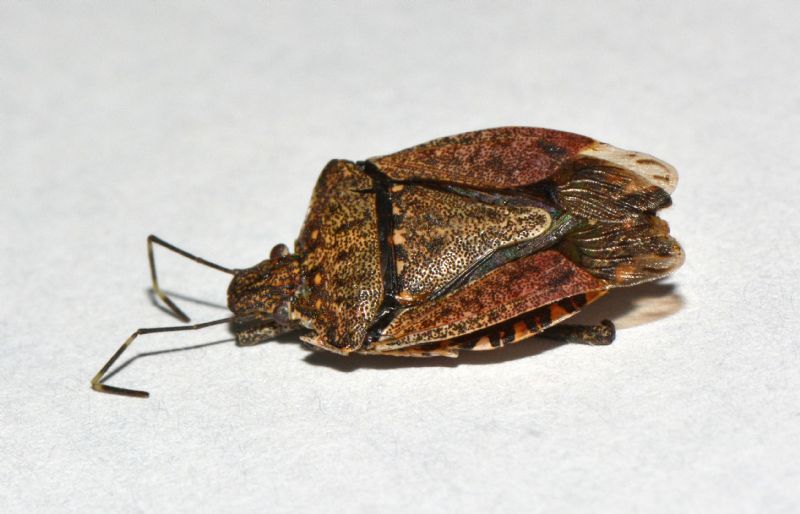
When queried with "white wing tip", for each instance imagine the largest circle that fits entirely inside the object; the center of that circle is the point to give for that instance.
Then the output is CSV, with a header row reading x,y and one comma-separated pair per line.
x,y
655,171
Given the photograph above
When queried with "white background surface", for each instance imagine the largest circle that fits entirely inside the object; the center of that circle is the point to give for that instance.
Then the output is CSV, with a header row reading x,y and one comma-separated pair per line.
x,y
208,125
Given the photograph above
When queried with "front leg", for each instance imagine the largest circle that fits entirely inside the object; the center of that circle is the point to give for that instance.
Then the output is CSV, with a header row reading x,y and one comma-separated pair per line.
x,y
251,333
425,350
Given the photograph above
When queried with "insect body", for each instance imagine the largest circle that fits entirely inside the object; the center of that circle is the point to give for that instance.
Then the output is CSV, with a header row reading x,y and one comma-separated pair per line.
x,y
469,242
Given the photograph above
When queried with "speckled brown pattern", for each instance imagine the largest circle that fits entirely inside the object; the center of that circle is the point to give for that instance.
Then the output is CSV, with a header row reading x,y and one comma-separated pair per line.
x,y
434,227
520,286
391,246
499,158
438,235
342,284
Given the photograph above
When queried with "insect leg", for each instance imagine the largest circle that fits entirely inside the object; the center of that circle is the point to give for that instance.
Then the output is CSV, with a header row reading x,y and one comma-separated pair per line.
x,y
425,350
600,334
97,384
151,239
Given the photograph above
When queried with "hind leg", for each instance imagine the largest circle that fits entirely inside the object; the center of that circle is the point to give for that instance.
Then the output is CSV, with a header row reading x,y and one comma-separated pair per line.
x,y
601,334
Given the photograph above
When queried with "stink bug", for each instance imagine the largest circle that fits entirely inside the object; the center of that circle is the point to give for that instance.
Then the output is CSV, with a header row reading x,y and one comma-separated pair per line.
x,y
468,242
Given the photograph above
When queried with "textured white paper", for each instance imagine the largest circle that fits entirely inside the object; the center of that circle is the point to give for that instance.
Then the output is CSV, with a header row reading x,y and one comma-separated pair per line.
x,y
208,123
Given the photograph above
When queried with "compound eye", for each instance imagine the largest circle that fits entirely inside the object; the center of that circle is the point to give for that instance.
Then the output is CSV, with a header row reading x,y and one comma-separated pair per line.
x,y
279,251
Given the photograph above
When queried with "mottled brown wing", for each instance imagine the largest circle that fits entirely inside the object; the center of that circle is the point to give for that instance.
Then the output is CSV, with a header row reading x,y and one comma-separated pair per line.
x,y
498,158
341,259
510,157
533,282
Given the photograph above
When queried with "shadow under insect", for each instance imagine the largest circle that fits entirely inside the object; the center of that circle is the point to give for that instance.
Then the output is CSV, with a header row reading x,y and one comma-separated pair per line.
x,y
626,307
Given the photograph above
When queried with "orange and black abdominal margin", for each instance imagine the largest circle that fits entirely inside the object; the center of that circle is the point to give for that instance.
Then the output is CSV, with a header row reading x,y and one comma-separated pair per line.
x,y
502,334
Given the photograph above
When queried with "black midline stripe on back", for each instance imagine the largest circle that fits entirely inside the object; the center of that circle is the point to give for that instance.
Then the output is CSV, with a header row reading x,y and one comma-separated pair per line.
x,y
383,206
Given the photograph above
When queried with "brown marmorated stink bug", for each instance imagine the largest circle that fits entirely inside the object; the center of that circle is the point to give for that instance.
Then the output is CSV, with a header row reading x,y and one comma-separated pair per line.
x,y
469,242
